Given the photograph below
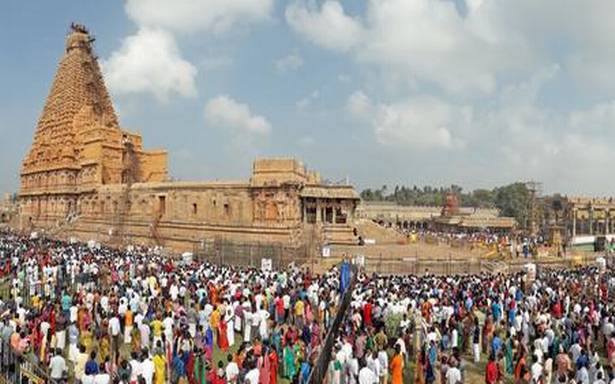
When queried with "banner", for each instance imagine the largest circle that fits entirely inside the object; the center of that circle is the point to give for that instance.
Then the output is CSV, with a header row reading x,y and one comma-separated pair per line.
x,y
266,265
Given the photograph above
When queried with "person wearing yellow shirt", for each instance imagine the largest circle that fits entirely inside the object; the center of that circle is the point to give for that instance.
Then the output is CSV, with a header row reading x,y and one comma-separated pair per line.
x,y
160,365
299,310
214,321
36,302
157,327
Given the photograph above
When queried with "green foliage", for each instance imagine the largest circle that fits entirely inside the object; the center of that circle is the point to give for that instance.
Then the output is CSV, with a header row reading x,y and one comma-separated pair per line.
x,y
429,196
391,324
512,200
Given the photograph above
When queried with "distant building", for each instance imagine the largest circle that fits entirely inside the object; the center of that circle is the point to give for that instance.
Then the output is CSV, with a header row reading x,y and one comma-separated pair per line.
x,y
450,218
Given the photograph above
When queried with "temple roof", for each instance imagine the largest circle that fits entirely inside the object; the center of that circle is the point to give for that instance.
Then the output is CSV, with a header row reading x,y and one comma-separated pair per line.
x,y
330,192
78,86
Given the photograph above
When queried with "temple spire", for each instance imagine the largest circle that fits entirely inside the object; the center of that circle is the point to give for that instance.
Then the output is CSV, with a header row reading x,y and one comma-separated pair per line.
x,y
78,94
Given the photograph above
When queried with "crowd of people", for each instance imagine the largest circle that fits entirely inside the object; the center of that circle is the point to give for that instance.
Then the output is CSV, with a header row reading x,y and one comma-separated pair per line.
x,y
502,242
101,315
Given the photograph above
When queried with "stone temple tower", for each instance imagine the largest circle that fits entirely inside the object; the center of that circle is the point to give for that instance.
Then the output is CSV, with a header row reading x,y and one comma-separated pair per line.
x,y
78,144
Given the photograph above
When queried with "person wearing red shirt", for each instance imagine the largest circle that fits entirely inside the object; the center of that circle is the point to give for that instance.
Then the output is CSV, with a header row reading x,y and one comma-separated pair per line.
x,y
556,311
273,366
367,313
491,372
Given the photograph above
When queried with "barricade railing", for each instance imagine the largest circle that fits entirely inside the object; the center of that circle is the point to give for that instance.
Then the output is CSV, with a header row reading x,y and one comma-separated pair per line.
x,y
20,368
319,370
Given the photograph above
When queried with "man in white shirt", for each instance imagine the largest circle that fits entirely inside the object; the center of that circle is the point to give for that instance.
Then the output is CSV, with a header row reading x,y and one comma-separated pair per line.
x,y
453,375
57,366
232,370
147,368
383,360
536,370
367,376
114,331
136,368
252,376
372,362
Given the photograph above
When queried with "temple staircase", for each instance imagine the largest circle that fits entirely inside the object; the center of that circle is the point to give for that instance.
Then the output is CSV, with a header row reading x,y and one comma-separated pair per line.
x,y
338,234
367,229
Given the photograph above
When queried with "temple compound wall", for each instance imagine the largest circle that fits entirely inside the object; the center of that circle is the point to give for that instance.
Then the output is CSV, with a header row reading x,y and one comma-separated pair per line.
x,y
87,177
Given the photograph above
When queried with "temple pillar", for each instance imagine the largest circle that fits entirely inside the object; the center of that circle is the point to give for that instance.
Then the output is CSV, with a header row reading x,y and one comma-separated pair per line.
x,y
318,215
591,220
606,222
334,209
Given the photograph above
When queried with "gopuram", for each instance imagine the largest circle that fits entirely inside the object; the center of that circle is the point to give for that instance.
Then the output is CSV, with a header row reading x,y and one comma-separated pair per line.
x,y
86,177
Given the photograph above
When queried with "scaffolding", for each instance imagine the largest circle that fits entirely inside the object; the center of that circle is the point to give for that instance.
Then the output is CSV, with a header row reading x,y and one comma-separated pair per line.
x,y
534,209
129,175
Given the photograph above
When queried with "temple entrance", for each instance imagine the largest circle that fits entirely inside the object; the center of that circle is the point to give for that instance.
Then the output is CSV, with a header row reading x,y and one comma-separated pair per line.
x,y
162,206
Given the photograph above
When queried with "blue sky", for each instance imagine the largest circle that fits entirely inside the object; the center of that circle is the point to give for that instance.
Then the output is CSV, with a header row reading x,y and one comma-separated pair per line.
x,y
474,92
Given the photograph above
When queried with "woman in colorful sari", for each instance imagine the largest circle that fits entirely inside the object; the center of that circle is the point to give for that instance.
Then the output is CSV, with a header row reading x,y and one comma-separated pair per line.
x,y
290,368
508,354
487,333
200,367
179,369
223,343
209,343
315,330
419,371
264,366
44,349
299,350
214,322
273,366
190,363
87,338
305,372
276,341
104,346
160,365
135,340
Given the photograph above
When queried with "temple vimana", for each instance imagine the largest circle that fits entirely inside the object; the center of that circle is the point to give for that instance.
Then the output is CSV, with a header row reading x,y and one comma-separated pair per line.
x,y
87,176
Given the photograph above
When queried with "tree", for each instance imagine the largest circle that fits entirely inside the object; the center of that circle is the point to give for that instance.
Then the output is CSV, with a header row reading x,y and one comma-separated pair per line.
x,y
367,194
513,200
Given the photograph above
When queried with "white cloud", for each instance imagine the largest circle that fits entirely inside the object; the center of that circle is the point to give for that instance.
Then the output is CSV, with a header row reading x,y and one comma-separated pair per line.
x,y
150,62
308,100
225,112
329,27
190,16
470,52
359,105
424,123
291,62
419,39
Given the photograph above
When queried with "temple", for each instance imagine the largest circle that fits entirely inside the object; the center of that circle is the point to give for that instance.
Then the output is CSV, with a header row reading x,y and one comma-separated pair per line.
x,y
86,176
